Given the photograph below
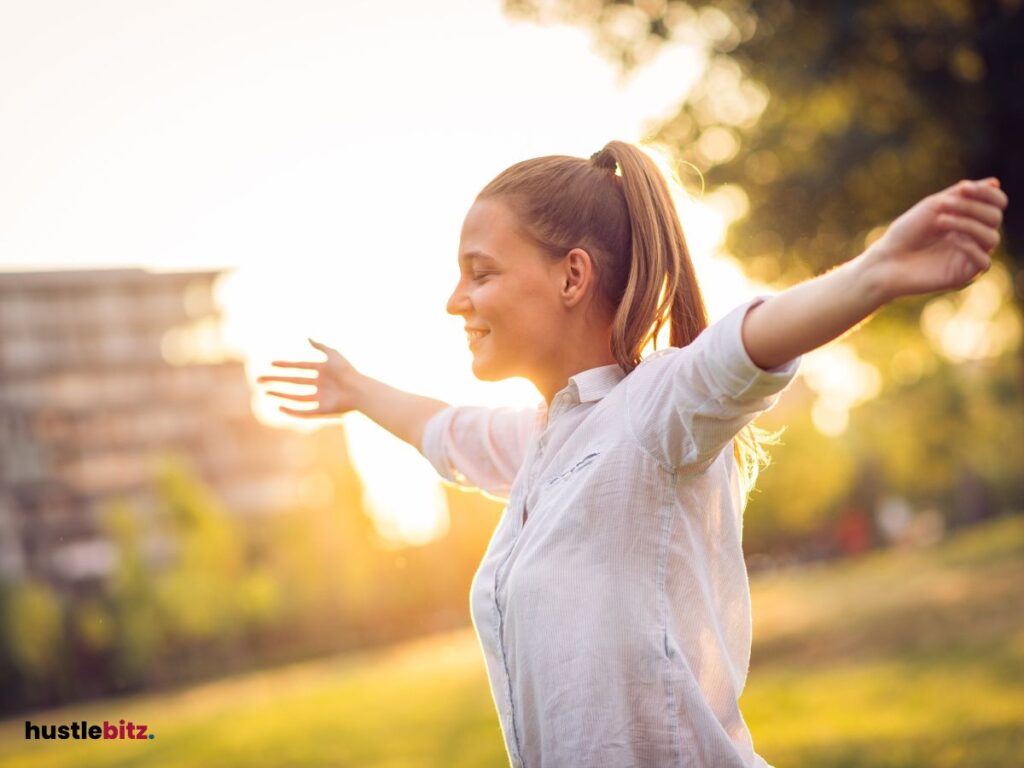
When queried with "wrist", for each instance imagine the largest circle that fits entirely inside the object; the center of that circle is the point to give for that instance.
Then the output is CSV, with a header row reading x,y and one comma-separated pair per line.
x,y
868,275
362,389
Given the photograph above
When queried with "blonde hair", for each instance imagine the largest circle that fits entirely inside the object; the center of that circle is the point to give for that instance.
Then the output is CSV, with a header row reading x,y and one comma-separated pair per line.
x,y
629,225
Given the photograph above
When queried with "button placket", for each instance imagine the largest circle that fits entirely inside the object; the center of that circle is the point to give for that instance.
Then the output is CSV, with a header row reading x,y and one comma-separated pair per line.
x,y
535,462
502,600
562,402
532,477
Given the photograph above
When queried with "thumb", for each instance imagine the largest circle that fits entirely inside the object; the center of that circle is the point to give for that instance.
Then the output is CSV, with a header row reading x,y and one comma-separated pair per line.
x,y
318,345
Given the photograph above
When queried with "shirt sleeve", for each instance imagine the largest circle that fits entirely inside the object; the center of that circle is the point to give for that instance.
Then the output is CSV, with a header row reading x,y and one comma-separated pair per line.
x,y
479,447
688,405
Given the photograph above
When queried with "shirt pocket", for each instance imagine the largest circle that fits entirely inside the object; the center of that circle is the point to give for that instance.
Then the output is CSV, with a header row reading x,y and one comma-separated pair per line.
x,y
576,488
569,473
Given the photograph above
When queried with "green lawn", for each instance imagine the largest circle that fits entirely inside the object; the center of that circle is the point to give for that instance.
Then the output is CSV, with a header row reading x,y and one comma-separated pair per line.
x,y
897,659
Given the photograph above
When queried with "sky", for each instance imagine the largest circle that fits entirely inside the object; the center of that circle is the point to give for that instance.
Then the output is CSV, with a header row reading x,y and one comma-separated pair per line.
x,y
326,154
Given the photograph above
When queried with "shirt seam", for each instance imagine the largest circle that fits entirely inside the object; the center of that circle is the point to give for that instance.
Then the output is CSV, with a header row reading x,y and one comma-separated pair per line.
x,y
657,459
668,508
633,434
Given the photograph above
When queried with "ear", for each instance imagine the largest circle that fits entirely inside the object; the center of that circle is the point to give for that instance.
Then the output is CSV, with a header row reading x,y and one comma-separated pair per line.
x,y
577,276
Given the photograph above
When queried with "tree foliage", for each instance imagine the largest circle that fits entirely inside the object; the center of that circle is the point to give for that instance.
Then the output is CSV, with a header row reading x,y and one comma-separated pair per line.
x,y
834,117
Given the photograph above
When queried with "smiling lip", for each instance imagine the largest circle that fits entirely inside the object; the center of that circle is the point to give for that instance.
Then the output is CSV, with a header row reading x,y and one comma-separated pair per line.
x,y
474,338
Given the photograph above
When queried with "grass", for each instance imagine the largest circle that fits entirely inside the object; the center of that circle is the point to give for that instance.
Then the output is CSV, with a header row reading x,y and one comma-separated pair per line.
x,y
421,703
896,659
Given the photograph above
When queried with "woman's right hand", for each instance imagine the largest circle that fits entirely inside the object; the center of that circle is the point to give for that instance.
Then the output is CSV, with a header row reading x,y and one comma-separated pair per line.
x,y
335,382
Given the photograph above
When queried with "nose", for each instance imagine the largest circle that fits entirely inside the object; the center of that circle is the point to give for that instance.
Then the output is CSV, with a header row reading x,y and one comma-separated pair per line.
x,y
457,302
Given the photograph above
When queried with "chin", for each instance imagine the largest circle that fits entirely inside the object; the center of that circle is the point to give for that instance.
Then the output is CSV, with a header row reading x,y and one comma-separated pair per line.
x,y
485,371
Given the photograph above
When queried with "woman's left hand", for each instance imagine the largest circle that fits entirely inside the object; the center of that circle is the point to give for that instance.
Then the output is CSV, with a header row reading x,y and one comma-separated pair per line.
x,y
940,244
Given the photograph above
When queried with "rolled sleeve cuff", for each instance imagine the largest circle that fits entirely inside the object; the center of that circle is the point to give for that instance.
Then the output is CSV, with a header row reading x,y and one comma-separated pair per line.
x,y
741,376
434,432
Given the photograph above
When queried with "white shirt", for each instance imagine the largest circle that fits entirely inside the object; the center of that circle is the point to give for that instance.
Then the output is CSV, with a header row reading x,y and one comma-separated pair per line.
x,y
615,623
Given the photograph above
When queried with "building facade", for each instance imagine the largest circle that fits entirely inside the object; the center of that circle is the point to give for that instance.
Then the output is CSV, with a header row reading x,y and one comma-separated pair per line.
x,y
102,373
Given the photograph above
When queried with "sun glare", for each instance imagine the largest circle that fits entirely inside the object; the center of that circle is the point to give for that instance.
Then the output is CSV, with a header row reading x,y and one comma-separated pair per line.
x,y
337,214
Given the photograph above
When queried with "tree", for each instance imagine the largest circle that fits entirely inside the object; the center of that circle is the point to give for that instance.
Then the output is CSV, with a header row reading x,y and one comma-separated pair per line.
x,y
833,118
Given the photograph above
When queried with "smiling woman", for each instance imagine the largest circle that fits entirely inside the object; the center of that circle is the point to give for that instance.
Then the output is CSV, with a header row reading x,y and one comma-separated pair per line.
x,y
570,309
612,634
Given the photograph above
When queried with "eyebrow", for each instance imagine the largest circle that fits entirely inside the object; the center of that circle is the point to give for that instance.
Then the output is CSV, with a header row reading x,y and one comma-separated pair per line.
x,y
469,256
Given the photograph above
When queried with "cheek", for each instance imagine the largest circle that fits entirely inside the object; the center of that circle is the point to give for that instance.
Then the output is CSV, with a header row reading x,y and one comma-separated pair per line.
x,y
521,305
536,318
543,300
487,298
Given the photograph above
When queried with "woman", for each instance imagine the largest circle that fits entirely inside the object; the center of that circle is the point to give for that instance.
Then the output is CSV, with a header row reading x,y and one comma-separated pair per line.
x,y
612,604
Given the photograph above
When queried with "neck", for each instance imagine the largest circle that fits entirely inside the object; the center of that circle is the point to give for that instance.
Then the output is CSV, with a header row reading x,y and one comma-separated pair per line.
x,y
580,350
552,381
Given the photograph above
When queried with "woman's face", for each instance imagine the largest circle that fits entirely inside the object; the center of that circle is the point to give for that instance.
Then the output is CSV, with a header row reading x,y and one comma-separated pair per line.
x,y
509,289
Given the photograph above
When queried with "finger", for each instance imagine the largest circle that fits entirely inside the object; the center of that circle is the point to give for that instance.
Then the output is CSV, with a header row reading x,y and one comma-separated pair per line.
x,y
986,237
982,190
322,347
978,257
298,398
987,213
287,379
286,364
303,414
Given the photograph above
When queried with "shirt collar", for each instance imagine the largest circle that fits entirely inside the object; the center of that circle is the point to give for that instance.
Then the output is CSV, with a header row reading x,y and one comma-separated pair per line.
x,y
589,385
594,383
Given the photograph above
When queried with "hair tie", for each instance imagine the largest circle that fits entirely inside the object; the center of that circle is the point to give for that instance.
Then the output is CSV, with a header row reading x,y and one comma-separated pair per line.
x,y
603,160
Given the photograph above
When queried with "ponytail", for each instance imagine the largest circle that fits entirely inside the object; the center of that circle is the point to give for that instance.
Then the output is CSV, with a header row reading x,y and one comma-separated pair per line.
x,y
662,286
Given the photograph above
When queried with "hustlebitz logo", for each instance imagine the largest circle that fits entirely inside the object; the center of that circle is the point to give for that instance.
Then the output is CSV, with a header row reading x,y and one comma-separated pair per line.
x,y
83,730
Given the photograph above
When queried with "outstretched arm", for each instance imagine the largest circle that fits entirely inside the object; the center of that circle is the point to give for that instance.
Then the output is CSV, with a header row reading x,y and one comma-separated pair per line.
x,y
470,445
340,388
940,244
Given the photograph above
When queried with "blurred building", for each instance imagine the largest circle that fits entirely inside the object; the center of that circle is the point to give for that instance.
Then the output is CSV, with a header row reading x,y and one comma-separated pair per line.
x,y
101,372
